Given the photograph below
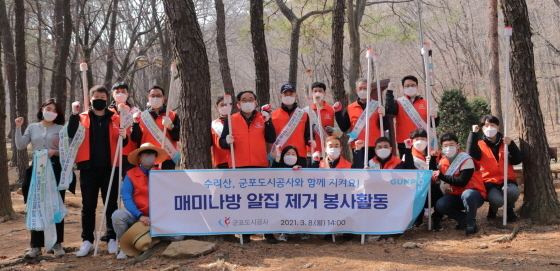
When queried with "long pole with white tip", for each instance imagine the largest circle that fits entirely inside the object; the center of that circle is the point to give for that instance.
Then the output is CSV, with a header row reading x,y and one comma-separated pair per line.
x,y
309,73
376,63
369,57
318,103
425,52
84,68
228,101
508,31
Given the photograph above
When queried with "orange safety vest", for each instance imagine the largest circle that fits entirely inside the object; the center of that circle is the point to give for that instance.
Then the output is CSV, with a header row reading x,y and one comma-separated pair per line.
x,y
249,143
280,118
391,164
84,150
327,119
147,136
342,163
403,122
475,182
139,181
492,170
219,155
354,112
131,146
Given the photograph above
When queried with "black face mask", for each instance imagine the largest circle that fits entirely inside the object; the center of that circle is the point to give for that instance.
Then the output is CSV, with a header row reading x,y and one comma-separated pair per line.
x,y
99,104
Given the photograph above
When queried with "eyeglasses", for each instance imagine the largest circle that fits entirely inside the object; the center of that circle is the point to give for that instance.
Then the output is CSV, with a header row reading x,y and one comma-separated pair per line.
x,y
156,96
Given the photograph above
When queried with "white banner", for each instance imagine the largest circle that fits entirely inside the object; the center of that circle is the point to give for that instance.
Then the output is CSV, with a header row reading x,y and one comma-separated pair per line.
x,y
206,202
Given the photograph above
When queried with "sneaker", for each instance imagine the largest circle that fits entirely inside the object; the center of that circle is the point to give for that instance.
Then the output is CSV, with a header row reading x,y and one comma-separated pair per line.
x,y
270,238
511,217
471,230
436,225
304,236
121,255
58,250
283,237
113,246
85,249
33,252
419,220
461,226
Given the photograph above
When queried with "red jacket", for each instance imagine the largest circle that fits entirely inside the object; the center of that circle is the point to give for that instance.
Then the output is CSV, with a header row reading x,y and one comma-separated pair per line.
x,y
342,163
280,118
250,144
84,150
327,119
147,136
403,122
139,181
219,155
475,182
492,170
354,112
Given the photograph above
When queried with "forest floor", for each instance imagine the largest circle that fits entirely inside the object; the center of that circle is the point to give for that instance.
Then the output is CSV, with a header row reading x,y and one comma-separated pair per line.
x,y
535,247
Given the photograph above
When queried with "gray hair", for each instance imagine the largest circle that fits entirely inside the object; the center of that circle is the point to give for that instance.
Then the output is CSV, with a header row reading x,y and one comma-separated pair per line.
x,y
360,80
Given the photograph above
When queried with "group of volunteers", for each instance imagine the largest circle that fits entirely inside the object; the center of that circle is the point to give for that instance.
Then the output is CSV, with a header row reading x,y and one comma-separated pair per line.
x,y
288,137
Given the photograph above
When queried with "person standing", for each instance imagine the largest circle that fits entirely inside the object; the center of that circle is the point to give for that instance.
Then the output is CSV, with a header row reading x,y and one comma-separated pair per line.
x,y
220,156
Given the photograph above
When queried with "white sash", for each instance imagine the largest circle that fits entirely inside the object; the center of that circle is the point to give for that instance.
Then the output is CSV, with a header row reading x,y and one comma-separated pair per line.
x,y
412,113
287,131
127,120
420,164
68,149
44,205
315,120
218,127
361,123
457,162
374,165
155,131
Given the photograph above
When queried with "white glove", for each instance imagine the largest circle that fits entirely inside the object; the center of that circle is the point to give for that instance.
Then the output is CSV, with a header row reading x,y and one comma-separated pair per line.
x,y
475,128
266,115
316,156
229,139
445,187
166,121
122,132
392,86
312,143
381,110
75,108
136,117
433,113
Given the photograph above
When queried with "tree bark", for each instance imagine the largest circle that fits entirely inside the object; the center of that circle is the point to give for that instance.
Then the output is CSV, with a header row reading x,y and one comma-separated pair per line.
x,y
262,81
355,15
222,47
190,50
111,46
337,68
494,55
63,37
21,80
541,201
165,48
40,54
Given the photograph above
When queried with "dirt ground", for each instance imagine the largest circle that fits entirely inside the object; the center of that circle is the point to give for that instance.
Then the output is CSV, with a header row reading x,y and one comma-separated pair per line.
x,y
536,247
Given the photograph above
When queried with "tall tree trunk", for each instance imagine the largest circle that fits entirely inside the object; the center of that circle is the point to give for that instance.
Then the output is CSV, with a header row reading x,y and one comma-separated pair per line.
x,y
541,201
21,80
355,15
190,50
294,52
63,37
6,209
165,48
337,52
40,54
10,67
222,47
111,46
494,55
262,81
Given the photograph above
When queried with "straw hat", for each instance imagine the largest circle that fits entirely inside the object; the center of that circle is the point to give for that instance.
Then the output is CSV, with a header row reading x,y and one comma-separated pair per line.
x,y
136,239
161,154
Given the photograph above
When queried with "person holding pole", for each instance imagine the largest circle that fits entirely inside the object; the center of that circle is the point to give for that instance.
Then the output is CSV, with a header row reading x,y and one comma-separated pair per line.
x,y
159,126
490,153
411,110
220,157
96,160
383,158
291,124
461,183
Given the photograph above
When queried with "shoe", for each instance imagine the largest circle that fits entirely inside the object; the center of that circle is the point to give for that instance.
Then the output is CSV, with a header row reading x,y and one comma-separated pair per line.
x,y
85,249
113,246
304,236
33,252
491,215
58,250
283,237
121,255
419,220
347,236
270,239
436,225
511,217
471,230
461,226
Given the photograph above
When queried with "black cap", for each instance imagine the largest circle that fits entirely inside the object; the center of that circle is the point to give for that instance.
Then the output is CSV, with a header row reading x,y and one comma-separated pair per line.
x,y
287,86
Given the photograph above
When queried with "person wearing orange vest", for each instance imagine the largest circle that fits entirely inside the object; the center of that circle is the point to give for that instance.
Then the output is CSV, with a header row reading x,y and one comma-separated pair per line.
x,y
134,190
220,157
383,158
489,152
163,117
461,183
94,159
349,120
334,159
281,117
404,123
120,96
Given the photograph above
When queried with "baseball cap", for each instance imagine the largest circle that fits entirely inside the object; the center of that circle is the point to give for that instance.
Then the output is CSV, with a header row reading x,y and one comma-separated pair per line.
x,y
287,86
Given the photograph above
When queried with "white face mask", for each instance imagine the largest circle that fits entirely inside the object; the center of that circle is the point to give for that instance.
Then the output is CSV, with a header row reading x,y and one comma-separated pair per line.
x,y
410,91
450,151
383,153
290,160
120,98
49,116
156,102
288,100
362,94
420,145
224,110
490,132
320,94
248,107
333,153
